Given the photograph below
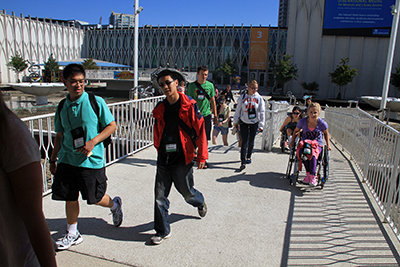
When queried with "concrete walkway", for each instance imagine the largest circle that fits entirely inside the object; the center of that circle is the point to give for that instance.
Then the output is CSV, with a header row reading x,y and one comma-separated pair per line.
x,y
254,218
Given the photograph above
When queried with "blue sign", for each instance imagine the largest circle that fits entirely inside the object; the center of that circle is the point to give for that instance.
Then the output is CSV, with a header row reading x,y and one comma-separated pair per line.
x,y
358,17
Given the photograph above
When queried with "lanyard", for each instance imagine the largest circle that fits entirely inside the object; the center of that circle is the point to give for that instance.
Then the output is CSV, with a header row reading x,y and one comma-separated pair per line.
x,y
69,120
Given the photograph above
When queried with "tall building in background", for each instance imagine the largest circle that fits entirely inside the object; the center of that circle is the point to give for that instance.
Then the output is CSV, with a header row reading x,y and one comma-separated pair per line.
x,y
120,20
283,13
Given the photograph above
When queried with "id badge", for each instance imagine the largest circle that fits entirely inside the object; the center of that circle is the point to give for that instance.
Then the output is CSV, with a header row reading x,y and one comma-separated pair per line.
x,y
200,95
221,117
252,113
171,145
170,148
78,136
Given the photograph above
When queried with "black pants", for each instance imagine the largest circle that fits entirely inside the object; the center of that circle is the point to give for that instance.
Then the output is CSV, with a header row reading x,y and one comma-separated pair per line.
x,y
207,126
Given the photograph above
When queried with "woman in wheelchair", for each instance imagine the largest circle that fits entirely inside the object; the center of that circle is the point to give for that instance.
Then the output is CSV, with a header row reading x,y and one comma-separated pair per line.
x,y
290,122
314,129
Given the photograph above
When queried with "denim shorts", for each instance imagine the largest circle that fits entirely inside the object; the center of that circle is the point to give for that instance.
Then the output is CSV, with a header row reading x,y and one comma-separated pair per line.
x,y
70,180
223,130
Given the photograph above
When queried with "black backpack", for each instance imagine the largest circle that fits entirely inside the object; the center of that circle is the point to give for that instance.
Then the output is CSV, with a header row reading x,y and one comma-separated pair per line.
x,y
96,110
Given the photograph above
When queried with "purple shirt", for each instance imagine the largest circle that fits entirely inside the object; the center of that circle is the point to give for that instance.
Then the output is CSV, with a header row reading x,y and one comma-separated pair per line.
x,y
316,134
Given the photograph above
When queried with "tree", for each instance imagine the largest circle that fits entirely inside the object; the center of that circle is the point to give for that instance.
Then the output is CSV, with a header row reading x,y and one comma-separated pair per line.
x,y
284,71
395,78
227,68
17,64
89,64
51,69
342,76
310,87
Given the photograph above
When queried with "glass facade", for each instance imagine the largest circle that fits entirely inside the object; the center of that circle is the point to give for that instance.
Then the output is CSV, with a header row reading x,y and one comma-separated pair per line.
x,y
184,47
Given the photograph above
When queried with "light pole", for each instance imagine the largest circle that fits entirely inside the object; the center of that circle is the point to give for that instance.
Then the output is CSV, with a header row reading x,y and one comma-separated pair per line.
x,y
389,61
136,43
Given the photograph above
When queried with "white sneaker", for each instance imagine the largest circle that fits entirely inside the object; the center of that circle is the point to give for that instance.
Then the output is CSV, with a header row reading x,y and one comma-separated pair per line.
x,y
68,240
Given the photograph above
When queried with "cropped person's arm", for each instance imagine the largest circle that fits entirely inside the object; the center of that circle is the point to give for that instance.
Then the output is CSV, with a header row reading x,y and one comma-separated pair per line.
x,y
214,109
287,120
27,183
326,136
56,149
296,131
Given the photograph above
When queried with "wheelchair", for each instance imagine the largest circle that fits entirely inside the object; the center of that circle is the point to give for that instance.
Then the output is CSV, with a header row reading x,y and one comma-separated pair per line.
x,y
292,170
284,138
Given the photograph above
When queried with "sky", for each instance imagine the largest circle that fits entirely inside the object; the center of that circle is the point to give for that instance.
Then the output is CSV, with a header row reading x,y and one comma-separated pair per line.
x,y
155,12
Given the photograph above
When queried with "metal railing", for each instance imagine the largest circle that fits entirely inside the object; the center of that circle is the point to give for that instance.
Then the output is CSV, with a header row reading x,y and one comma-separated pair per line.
x,y
275,115
374,147
134,132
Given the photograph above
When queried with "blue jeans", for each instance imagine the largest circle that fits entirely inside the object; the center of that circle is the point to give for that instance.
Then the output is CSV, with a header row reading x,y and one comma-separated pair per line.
x,y
182,177
248,133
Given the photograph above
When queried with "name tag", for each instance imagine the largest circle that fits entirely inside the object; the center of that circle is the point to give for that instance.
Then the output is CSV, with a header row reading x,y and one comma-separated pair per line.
x,y
252,114
78,137
200,94
78,143
169,148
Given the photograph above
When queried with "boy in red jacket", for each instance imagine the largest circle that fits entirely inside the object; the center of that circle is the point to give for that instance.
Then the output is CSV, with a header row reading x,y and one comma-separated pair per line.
x,y
175,147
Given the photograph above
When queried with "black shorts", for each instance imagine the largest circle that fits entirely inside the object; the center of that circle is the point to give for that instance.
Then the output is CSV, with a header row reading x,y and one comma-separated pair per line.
x,y
207,126
70,180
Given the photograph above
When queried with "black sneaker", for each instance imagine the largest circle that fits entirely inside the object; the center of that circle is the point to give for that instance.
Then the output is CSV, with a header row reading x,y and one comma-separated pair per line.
x,y
158,239
242,167
117,213
202,210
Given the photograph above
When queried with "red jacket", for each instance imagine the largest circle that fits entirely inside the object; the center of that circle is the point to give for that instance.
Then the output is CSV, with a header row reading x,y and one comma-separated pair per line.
x,y
190,114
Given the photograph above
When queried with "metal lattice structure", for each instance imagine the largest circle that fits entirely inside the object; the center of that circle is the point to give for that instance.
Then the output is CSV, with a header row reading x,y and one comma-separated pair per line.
x,y
184,47
35,41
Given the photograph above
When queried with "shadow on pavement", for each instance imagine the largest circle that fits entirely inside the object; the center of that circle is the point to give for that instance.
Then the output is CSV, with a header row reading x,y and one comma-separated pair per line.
x,y
101,228
270,180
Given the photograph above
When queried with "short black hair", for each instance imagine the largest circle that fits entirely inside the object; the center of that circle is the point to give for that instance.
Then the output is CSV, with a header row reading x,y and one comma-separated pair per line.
x,y
72,69
167,72
203,68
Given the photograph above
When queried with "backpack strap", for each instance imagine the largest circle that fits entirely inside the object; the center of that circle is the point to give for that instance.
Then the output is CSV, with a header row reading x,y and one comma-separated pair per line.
x,y
201,88
189,131
60,107
94,105
96,109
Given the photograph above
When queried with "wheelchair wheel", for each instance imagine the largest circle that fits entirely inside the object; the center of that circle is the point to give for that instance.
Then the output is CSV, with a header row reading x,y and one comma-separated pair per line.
x,y
292,168
325,164
283,139
289,166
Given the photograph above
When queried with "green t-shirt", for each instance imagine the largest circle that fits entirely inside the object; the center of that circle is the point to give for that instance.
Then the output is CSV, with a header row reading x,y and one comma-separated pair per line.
x,y
81,113
204,105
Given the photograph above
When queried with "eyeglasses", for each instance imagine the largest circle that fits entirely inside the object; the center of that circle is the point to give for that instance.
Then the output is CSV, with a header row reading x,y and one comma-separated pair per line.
x,y
76,82
296,113
166,83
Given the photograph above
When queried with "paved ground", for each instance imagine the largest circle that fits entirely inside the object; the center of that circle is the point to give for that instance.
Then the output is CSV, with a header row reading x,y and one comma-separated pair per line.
x,y
255,218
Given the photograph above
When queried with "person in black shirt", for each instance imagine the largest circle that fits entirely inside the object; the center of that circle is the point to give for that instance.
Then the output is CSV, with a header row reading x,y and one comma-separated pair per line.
x,y
228,95
178,129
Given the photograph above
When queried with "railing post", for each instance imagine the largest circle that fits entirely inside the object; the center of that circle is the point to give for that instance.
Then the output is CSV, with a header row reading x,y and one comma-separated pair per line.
x,y
393,179
368,151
